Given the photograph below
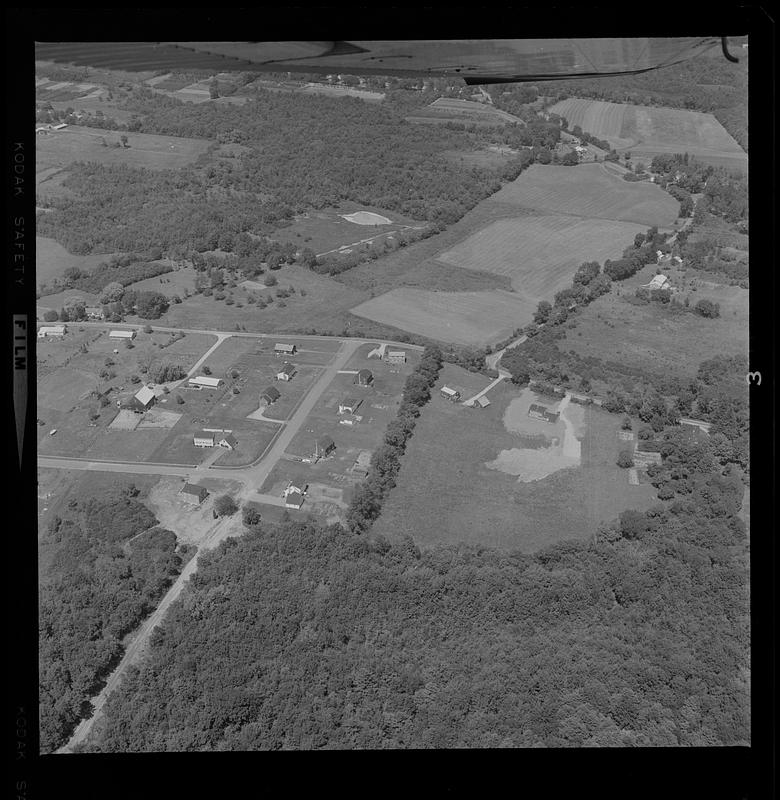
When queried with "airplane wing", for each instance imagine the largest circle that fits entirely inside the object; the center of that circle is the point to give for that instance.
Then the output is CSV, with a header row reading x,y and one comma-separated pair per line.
x,y
477,61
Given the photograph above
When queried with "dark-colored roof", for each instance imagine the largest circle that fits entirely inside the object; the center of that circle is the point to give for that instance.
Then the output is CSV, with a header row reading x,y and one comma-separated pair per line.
x,y
325,442
272,393
365,373
192,488
230,439
287,368
537,407
294,499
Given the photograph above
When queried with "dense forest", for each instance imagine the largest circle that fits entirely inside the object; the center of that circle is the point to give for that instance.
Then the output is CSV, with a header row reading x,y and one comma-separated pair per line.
x,y
298,152
107,565
303,636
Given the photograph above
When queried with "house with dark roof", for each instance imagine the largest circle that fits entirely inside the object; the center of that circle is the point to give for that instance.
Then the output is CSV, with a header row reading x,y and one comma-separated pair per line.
x,y
228,441
194,494
281,349
364,377
349,405
324,446
269,396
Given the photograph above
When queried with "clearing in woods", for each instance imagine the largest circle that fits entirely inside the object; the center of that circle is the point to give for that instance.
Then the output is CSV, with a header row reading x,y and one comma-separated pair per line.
x,y
652,130
52,260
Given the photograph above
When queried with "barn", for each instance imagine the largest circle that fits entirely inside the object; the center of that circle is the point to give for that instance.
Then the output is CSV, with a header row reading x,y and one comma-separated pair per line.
x,y
203,439
145,398
450,394
121,335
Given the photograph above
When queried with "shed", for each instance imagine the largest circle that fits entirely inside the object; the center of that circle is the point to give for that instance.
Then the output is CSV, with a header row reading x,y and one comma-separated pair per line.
x,y
205,382
287,372
364,377
203,439
121,335
145,397
481,402
396,356
349,405
281,349
194,494
269,396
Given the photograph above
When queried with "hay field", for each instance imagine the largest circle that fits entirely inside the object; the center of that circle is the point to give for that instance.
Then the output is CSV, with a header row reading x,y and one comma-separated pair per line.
x,y
471,318
449,109
590,190
651,130
540,254
52,260
79,143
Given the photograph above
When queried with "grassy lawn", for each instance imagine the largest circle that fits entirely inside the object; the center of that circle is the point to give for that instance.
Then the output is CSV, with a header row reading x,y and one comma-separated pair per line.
x,y
252,443
653,338
446,494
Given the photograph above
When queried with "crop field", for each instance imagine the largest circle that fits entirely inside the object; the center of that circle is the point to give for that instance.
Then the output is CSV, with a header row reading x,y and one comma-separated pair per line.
x,y
589,190
446,494
449,109
474,318
651,130
78,143
52,260
651,337
95,101
541,254
343,91
491,156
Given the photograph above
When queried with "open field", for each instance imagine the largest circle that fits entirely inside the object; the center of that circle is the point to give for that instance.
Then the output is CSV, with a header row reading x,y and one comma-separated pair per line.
x,y
541,254
490,156
96,101
52,260
474,318
78,143
343,91
446,494
653,338
590,190
176,282
651,130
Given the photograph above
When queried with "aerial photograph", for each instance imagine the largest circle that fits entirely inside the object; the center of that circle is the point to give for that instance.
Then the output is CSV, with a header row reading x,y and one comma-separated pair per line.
x,y
391,395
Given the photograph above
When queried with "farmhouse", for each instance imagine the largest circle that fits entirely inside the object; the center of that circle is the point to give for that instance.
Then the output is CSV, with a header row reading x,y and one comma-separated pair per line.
x,y
203,439
293,500
364,377
269,396
285,349
205,382
191,493
658,282
94,312
229,442
396,356
145,397
51,330
541,412
121,335
450,394
349,405
323,447
286,372
698,424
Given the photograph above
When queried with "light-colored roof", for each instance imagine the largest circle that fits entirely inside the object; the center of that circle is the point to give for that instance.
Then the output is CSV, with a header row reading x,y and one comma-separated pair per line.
x,y
121,334
483,401
285,347
144,395
396,352
447,390
203,380
52,329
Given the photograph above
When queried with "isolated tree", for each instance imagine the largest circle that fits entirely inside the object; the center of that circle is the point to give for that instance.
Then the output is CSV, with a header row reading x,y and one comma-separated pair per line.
x,y
225,505
706,308
50,316
123,139
626,424
179,399
625,459
148,329
112,292
206,369
270,280
250,516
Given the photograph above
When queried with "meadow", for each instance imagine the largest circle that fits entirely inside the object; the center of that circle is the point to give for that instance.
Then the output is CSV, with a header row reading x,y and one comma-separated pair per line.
x,y
445,493
471,318
79,143
52,260
452,109
541,254
651,337
591,191
651,130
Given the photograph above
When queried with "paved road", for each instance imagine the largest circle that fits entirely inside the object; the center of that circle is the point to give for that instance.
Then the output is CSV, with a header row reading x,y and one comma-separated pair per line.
x,y
55,462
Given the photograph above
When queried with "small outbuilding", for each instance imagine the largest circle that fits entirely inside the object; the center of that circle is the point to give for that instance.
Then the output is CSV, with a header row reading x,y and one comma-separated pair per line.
x,y
450,394
193,494
349,405
481,402
396,356
145,397
287,372
94,313
205,382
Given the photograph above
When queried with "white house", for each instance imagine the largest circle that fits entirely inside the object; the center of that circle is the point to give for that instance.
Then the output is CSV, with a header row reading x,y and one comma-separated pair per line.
x,y
205,382
145,397
51,330
286,373
203,439
121,335
349,405
658,282
281,349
